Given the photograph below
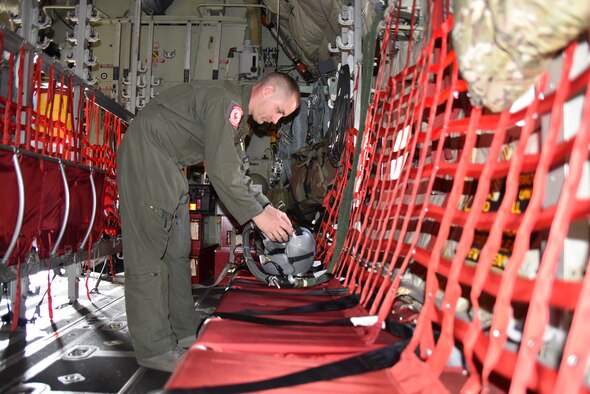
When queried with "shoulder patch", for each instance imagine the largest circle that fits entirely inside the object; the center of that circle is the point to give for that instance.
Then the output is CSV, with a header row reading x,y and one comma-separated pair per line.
x,y
235,115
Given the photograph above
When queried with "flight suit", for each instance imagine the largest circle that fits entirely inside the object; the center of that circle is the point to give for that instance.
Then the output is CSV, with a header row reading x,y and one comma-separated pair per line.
x,y
184,125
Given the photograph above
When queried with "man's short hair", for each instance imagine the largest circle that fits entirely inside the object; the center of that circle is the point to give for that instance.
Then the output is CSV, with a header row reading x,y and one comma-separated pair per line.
x,y
282,81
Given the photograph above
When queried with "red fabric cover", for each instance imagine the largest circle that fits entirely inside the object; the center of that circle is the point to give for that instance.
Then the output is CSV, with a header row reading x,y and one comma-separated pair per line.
x,y
51,206
81,208
201,368
9,202
45,204
235,336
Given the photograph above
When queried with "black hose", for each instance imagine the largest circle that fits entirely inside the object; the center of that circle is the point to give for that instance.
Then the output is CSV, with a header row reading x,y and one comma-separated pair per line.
x,y
341,116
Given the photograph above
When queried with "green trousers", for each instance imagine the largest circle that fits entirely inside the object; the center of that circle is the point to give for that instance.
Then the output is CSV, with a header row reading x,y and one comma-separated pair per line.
x,y
156,247
158,294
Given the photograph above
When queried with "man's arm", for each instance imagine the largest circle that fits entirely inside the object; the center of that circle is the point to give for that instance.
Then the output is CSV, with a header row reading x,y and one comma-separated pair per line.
x,y
229,180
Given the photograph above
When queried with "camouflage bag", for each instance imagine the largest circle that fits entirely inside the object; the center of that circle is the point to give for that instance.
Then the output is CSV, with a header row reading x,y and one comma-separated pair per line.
x,y
312,176
502,46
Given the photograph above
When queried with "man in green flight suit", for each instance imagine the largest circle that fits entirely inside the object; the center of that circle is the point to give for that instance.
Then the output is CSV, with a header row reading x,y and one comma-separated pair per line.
x,y
184,125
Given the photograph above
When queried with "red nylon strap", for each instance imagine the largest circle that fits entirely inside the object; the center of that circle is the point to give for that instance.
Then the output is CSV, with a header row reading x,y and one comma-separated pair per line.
x,y
34,124
9,87
361,242
503,309
343,267
371,252
49,296
82,104
31,115
68,134
577,348
112,267
20,95
76,129
16,309
393,109
453,287
422,166
463,248
423,330
48,123
87,266
538,313
84,153
96,109
63,125
403,105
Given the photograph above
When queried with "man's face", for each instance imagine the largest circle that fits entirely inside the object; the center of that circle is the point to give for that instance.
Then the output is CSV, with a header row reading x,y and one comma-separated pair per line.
x,y
273,105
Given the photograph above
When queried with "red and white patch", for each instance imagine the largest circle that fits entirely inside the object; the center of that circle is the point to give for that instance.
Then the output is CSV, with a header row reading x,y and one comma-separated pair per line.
x,y
235,116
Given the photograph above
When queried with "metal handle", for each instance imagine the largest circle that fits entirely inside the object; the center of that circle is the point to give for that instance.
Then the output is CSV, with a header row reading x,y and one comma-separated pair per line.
x,y
21,208
66,210
91,224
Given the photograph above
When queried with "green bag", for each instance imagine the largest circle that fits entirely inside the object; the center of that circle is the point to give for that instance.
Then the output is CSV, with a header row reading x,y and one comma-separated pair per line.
x,y
312,175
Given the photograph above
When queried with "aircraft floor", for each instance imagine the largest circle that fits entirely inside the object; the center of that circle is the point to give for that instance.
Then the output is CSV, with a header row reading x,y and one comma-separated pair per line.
x,y
86,347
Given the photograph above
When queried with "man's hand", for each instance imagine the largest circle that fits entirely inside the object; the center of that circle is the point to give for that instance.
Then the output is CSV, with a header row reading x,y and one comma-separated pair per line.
x,y
274,223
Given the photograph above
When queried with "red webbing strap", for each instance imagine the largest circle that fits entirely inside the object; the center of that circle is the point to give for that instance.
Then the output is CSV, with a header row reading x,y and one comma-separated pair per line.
x,y
8,104
352,243
16,309
48,113
2,99
68,140
453,287
96,119
423,333
119,132
416,377
106,127
90,116
87,266
503,309
81,115
49,281
86,130
483,267
390,164
344,258
53,131
112,267
97,148
106,155
62,133
111,219
538,312
577,348
75,135
1,50
389,289
31,115
19,100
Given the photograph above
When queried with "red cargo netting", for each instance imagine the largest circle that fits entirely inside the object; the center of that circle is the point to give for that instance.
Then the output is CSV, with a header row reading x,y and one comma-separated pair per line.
x,y
57,137
476,219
